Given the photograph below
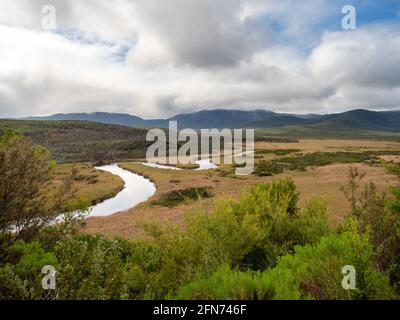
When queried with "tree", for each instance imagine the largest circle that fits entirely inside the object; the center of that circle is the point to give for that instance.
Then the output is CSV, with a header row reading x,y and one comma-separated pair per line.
x,y
26,174
379,214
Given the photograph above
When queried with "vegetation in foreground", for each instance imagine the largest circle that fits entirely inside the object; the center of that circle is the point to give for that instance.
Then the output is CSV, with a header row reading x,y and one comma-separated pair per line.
x,y
261,246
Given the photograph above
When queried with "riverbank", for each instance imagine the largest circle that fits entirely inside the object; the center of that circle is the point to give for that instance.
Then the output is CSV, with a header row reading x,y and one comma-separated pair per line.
x,y
92,186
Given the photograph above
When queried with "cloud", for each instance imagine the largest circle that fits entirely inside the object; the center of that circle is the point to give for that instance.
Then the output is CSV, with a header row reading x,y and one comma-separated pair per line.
x,y
364,66
369,57
156,60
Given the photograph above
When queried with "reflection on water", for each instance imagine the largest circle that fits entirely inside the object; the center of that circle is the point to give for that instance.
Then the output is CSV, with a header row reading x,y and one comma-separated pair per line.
x,y
137,189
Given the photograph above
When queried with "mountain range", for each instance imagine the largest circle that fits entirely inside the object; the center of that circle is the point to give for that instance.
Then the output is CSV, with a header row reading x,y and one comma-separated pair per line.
x,y
359,119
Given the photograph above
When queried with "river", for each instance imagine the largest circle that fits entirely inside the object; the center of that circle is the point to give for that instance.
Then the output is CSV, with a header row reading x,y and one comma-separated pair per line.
x,y
137,189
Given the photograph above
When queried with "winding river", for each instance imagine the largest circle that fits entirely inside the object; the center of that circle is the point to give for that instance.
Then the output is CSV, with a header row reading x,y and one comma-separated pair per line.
x,y
137,189
204,164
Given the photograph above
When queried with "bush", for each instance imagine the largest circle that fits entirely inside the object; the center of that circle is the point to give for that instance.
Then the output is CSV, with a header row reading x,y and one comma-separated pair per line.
x,y
284,225
21,277
268,168
227,284
26,173
314,271
312,222
97,268
207,241
176,197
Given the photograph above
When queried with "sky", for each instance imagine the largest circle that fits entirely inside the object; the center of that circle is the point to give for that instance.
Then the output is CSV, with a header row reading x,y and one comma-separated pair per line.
x,y
157,58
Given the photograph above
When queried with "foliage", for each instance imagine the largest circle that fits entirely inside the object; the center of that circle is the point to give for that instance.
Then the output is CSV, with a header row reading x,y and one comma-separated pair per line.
x,y
25,175
98,268
175,197
314,271
265,168
20,278
227,284
378,215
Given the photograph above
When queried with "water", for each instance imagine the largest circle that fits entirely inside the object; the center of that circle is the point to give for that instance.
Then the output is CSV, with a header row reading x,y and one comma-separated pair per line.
x,y
137,189
160,166
204,164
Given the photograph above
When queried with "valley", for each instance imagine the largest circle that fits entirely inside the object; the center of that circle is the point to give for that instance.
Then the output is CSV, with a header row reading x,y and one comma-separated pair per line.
x,y
316,181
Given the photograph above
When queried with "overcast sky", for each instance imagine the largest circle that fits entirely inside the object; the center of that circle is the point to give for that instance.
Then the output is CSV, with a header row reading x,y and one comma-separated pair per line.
x,y
156,58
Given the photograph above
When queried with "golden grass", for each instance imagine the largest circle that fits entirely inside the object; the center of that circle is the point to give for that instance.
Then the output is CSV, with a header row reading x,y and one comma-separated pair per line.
x,y
324,182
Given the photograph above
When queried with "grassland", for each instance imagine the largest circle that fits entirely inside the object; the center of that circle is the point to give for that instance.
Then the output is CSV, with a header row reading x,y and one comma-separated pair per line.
x,y
321,181
318,167
326,132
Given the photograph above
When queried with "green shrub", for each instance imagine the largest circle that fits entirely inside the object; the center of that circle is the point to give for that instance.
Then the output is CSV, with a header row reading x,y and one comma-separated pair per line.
x,y
314,271
283,224
208,241
272,198
98,268
227,284
379,215
268,168
21,277
312,222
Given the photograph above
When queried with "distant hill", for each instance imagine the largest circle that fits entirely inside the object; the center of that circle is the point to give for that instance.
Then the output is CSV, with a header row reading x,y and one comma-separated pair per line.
x,y
220,118
284,120
104,117
202,119
388,121
363,120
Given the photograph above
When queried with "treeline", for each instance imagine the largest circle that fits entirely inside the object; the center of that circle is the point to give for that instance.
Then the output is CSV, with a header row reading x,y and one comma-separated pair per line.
x,y
261,246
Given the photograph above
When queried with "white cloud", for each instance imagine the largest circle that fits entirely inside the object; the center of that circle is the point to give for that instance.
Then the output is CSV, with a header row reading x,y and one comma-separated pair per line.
x,y
364,66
